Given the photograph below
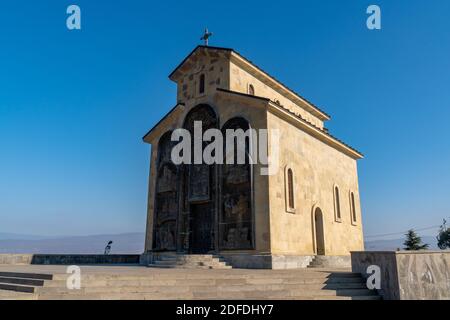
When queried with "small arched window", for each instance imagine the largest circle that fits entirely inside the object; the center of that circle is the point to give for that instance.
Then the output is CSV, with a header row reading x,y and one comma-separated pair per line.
x,y
290,190
337,204
353,207
201,86
251,90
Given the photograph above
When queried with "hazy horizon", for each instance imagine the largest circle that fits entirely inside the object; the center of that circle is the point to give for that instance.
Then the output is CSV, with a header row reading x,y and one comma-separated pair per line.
x,y
74,105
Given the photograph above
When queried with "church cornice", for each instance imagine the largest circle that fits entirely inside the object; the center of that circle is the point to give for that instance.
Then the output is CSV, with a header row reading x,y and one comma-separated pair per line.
x,y
243,94
316,132
302,123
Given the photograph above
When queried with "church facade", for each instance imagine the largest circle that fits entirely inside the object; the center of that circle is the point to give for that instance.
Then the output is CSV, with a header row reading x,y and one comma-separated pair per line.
x,y
308,207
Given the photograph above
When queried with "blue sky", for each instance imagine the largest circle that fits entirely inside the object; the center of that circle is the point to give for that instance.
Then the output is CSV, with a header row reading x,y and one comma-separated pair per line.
x,y
74,105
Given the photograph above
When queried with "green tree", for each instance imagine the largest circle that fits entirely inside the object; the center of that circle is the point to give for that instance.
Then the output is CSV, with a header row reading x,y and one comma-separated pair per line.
x,y
413,242
443,237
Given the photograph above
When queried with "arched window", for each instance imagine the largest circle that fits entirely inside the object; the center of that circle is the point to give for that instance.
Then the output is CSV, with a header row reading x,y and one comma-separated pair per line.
x,y
251,90
201,86
290,190
352,207
337,204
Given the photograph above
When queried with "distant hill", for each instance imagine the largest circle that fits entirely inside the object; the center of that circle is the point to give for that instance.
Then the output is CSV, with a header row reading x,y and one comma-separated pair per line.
x,y
15,236
389,245
130,243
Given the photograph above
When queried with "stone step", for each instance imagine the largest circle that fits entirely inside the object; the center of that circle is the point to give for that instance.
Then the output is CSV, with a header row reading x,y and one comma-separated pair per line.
x,y
37,276
179,262
278,295
16,287
190,262
189,256
208,282
220,274
184,266
14,295
22,281
282,294
295,290
332,298
179,288
200,265
192,284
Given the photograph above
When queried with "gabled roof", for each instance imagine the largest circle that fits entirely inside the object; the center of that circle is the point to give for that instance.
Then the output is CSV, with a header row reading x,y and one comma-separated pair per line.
x,y
319,133
312,108
192,52
162,120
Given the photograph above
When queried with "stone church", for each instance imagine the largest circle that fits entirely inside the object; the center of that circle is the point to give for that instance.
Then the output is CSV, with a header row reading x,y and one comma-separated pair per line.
x,y
309,208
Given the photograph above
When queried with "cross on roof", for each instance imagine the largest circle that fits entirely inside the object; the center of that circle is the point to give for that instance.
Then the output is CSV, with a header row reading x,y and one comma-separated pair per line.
x,y
206,36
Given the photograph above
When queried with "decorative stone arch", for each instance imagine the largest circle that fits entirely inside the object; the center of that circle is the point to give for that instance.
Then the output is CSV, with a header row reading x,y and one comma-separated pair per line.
x,y
290,189
253,140
236,212
318,230
337,201
166,197
199,191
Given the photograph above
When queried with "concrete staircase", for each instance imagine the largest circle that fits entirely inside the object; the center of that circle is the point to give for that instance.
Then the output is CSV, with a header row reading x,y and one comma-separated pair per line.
x,y
330,262
19,286
191,284
186,261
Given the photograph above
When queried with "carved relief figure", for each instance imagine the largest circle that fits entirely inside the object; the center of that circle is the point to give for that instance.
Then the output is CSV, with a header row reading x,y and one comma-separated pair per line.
x,y
166,197
199,189
236,219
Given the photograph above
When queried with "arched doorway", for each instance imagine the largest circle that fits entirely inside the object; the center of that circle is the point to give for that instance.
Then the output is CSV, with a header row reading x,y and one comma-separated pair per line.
x,y
318,225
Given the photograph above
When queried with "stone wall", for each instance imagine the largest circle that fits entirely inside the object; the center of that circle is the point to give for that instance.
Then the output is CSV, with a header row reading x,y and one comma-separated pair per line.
x,y
267,261
387,263
317,168
58,259
16,258
241,79
414,275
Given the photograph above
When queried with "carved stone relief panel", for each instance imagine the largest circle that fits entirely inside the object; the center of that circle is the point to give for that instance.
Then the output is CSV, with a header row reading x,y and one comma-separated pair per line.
x,y
166,198
199,185
236,217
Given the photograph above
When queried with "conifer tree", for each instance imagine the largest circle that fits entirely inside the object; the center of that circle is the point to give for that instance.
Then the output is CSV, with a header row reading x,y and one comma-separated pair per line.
x,y
413,242
443,237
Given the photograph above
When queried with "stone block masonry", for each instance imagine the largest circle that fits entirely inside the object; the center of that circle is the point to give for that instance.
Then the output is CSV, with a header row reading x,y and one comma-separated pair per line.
x,y
408,275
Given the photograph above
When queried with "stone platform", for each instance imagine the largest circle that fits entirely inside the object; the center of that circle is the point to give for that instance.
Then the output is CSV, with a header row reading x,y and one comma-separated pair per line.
x,y
48,282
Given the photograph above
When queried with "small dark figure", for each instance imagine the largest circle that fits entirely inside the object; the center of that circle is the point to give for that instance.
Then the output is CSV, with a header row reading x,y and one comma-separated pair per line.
x,y
108,247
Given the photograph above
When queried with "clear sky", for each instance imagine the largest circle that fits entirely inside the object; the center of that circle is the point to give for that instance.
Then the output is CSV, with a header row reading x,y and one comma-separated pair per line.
x,y
74,105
